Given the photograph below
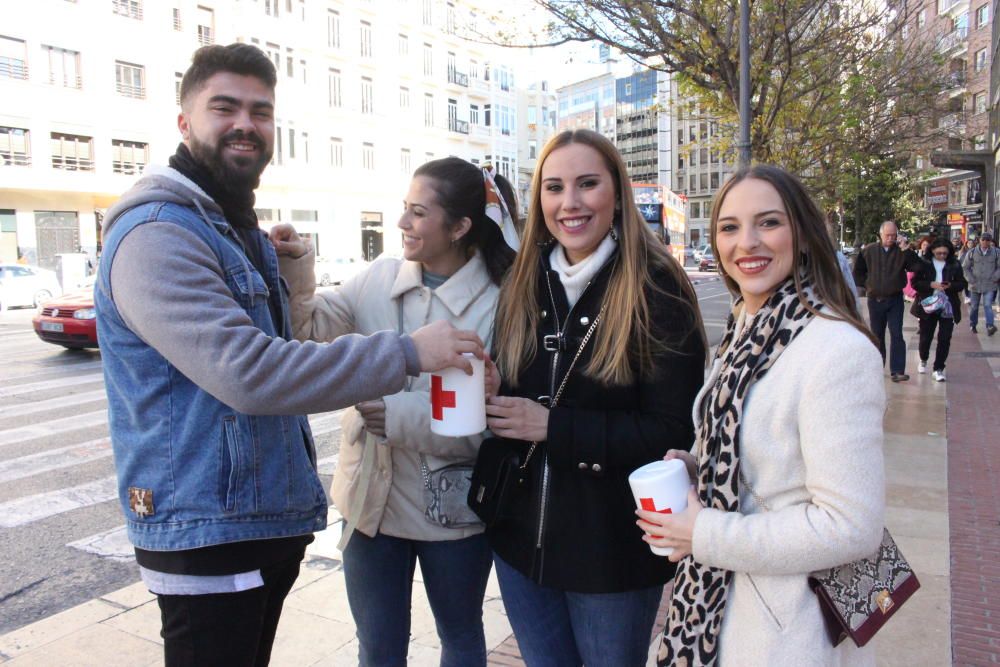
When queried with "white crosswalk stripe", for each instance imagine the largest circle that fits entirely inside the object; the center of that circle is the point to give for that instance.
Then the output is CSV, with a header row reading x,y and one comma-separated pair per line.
x,y
44,505
54,459
53,427
45,385
60,402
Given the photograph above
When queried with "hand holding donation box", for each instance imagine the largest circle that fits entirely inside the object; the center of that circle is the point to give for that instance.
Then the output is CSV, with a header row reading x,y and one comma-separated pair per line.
x,y
661,486
458,401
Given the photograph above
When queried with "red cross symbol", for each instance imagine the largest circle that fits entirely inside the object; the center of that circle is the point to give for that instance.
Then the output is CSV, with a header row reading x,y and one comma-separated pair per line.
x,y
647,504
440,399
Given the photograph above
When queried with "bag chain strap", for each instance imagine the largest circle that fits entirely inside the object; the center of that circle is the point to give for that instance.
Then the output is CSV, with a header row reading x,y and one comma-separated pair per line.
x,y
562,385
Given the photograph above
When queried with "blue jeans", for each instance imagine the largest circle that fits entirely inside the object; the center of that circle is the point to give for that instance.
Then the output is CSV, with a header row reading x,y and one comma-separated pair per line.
x,y
562,629
987,301
379,575
889,312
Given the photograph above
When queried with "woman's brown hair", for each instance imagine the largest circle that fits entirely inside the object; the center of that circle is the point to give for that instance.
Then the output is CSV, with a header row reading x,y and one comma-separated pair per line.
x,y
627,341
811,244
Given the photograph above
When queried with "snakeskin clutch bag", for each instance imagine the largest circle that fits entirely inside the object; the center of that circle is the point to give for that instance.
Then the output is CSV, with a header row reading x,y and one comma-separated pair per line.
x,y
858,598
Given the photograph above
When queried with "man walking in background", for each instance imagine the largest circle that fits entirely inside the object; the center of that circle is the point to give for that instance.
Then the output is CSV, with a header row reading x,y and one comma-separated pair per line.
x,y
880,274
207,389
982,270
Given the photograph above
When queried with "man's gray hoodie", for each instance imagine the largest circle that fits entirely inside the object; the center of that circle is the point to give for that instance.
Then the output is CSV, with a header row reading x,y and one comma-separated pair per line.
x,y
169,289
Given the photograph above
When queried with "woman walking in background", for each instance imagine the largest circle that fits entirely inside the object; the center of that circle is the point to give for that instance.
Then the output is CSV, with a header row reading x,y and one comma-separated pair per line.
x,y
942,278
784,485
454,258
601,348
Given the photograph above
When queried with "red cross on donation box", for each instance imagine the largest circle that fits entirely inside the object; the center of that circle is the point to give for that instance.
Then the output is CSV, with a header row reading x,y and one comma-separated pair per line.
x,y
440,399
650,506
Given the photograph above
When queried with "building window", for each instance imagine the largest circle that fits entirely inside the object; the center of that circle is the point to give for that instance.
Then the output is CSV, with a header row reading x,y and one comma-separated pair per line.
x,y
715,180
428,14
428,110
178,25
474,114
921,18
532,150
336,152
13,58
366,39
64,67
404,160
403,45
980,60
271,7
333,88
333,29
488,115
206,26
404,97
979,102
368,156
367,105
128,157
979,142
129,8
289,63
450,23
302,68
982,16
130,80
72,152
906,31
473,69
178,77
15,148
273,52
428,59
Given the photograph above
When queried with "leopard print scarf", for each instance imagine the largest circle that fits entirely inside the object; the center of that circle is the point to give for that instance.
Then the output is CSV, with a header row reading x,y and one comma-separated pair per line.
x,y
699,598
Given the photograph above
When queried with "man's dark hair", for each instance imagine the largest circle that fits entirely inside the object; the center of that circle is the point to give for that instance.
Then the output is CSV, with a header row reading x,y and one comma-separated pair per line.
x,y
244,59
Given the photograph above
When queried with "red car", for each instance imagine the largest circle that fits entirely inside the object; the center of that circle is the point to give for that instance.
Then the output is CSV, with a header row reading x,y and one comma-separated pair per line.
x,y
68,320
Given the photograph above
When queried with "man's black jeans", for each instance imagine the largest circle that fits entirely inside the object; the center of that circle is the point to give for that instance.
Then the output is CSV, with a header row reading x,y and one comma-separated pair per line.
x,y
889,311
226,628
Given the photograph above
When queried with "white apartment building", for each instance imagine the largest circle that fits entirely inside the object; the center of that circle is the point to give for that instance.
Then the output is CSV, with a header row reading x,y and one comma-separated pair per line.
x,y
536,113
699,170
367,91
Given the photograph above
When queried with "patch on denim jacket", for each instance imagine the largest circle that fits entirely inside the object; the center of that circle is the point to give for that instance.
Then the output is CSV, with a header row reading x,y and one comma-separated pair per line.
x,y
140,501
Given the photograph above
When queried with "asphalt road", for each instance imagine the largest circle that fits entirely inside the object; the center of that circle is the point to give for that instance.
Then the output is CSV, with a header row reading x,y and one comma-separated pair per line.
x,y
60,525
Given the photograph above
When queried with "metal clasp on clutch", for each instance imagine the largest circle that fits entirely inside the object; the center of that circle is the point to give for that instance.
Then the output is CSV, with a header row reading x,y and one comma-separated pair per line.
x,y
884,602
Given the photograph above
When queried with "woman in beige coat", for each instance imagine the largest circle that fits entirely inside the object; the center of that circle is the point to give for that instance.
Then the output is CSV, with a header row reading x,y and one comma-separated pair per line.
x,y
454,257
785,485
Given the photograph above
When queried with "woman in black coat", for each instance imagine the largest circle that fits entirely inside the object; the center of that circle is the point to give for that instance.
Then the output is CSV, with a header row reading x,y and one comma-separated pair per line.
x,y
941,274
594,300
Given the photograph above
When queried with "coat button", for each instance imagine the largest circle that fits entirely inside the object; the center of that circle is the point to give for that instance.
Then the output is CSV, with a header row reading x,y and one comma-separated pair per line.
x,y
584,321
582,465
596,467
545,314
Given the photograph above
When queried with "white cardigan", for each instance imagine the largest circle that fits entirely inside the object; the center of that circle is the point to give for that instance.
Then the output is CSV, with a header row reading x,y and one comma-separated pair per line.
x,y
812,450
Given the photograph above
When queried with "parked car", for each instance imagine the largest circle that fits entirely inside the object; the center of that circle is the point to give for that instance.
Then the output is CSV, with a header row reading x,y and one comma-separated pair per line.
x,y
700,251
22,285
707,262
335,270
69,320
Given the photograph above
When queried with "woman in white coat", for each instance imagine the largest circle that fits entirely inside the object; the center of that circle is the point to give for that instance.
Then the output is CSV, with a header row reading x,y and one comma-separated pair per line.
x,y
454,257
788,455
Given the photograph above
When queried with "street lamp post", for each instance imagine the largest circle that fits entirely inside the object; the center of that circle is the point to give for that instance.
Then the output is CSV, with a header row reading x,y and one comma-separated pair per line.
x,y
744,84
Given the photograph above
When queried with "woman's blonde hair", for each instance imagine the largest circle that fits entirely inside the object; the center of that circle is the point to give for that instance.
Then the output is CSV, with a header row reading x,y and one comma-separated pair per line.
x,y
811,245
626,341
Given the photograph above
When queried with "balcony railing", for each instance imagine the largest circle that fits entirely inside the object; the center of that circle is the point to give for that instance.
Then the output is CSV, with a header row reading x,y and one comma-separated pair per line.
x,y
128,90
460,126
14,159
66,81
130,168
13,69
956,79
72,163
953,39
205,36
129,8
458,78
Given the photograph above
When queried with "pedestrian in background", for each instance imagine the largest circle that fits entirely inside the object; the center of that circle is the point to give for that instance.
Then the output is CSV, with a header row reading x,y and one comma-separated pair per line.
x,y
784,485
968,246
601,348
941,277
982,270
207,390
880,274
454,259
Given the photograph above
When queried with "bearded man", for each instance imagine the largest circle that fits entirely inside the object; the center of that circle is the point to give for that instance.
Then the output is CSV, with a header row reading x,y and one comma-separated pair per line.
x,y
208,390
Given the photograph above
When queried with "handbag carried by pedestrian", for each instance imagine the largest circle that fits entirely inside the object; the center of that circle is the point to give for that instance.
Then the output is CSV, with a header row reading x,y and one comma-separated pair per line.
x,y
499,471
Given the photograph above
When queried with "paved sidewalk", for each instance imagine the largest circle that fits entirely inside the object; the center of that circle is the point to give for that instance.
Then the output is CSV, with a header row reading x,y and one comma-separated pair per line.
x,y
943,463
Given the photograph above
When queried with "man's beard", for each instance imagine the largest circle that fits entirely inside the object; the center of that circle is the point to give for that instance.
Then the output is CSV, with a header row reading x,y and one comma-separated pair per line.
x,y
245,174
